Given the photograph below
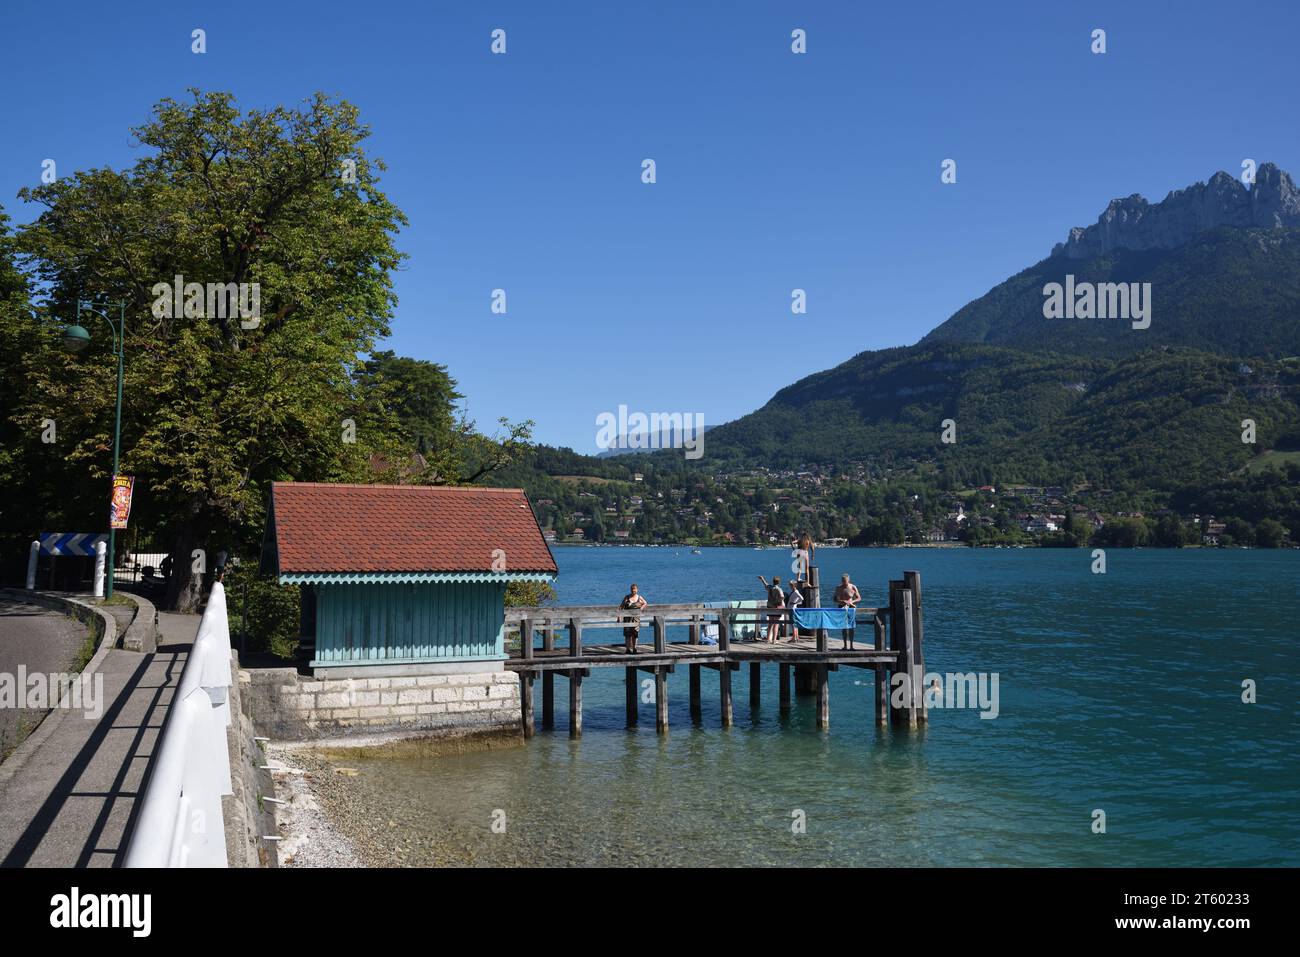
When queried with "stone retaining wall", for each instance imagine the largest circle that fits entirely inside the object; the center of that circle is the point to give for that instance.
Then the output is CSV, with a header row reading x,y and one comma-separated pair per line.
x,y
291,707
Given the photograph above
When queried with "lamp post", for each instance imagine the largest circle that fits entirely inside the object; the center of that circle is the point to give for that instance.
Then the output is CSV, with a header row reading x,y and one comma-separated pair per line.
x,y
76,338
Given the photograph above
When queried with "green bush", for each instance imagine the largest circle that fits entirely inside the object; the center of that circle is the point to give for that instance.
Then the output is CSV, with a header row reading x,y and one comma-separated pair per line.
x,y
273,611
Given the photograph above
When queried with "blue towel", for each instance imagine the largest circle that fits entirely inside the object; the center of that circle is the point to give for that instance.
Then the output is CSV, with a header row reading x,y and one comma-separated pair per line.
x,y
832,619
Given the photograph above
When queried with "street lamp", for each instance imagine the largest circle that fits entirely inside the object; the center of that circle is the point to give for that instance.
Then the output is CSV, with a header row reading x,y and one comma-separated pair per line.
x,y
75,339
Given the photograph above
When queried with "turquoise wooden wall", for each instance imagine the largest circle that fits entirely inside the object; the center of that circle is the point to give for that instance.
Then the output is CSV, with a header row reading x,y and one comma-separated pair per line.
x,y
428,621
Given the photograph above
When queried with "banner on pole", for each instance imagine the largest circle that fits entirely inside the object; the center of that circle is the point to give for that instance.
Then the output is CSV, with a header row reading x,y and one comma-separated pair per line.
x,y
120,509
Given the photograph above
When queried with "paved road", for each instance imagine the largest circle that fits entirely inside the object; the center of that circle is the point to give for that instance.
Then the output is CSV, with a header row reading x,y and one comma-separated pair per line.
x,y
43,641
69,804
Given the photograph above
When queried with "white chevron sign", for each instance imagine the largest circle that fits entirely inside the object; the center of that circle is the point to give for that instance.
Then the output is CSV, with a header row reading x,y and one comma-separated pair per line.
x,y
70,543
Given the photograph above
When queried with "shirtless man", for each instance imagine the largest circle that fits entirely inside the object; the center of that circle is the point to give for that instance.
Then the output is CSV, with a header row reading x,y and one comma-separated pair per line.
x,y
847,596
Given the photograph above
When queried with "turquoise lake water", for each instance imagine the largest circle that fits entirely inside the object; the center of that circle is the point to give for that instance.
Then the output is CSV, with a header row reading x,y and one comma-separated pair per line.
x,y
1119,692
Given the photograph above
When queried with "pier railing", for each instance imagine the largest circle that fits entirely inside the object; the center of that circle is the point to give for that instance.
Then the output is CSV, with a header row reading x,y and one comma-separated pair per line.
x,y
180,822
893,645
575,619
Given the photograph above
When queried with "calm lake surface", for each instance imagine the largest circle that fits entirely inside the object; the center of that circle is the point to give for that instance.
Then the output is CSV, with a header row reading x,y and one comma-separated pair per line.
x,y
1120,692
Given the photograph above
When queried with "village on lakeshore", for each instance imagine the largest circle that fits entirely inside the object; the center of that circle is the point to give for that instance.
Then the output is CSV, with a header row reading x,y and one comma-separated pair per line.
x,y
859,506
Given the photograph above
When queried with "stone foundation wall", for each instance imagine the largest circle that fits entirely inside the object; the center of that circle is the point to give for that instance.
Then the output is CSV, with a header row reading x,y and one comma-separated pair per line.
x,y
245,816
287,706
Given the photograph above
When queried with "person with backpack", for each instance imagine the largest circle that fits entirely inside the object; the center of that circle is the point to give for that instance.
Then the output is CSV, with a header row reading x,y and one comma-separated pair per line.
x,y
775,600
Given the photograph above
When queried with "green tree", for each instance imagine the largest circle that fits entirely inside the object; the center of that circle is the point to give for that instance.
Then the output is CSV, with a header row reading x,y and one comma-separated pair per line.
x,y
217,406
1269,533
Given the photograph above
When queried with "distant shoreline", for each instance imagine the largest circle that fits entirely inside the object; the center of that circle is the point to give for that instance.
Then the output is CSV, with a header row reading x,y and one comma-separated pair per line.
x,y
1035,545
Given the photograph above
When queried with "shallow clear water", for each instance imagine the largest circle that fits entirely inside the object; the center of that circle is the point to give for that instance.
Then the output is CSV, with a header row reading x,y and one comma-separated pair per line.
x,y
1119,692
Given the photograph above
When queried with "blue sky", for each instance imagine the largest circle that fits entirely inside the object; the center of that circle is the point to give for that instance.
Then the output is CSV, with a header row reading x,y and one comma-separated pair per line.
x,y
775,171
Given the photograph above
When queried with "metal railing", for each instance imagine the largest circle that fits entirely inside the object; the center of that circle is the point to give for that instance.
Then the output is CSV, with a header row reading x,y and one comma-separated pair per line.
x,y
180,822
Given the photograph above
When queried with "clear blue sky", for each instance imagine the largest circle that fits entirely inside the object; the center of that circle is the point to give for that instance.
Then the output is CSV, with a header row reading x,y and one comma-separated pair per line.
x,y
775,171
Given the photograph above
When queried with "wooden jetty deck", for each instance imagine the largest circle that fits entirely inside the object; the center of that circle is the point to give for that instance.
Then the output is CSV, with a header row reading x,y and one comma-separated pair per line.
x,y
888,640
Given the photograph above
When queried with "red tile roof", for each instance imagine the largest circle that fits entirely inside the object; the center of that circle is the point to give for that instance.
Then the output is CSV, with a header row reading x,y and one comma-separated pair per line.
x,y
322,527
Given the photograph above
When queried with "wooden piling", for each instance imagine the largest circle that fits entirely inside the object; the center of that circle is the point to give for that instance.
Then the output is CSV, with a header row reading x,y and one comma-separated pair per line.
x,y
901,639
630,680
882,676
661,639
575,703
815,586
548,700
913,580
575,638
661,699
696,710
784,692
525,638
823,699
526,701
805,680
755,683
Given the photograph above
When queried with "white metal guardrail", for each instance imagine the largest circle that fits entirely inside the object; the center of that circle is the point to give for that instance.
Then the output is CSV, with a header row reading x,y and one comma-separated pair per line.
x,y
180,822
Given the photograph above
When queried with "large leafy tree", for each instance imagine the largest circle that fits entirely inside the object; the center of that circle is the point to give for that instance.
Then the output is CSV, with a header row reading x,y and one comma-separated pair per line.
x,y
215,408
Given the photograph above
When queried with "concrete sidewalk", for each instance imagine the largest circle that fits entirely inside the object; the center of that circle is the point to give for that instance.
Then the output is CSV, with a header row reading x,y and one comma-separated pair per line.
x,y
40,640
69,802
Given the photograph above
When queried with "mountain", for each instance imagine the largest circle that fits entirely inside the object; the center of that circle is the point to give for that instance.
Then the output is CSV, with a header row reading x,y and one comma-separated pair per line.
x,y
1042,399
1230,291
1135,224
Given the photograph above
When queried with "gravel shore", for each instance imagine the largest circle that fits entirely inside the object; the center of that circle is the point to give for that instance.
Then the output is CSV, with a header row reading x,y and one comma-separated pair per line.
x,y
310,838
335,816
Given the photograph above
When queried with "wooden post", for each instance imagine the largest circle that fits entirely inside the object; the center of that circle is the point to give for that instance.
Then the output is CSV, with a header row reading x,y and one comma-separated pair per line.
x,y
630,680
695,629
661,699
755,683
805,679
661,638
575,638
815,586
823,699
696,712
913,580
724,669
548,700
575,703
897,643
901,638
548,636
784,694
915,691
882,678
526,700
525,638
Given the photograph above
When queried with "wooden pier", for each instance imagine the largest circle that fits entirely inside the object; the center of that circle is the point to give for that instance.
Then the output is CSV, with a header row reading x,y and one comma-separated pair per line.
x,y
888,640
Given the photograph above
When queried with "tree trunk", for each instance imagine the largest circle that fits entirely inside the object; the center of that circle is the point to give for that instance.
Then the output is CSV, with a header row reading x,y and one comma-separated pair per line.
x,y
185,587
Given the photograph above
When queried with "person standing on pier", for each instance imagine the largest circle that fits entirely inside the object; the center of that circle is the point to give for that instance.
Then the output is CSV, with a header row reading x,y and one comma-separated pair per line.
x,y
775,599
634,601
792,601
847,596
803,549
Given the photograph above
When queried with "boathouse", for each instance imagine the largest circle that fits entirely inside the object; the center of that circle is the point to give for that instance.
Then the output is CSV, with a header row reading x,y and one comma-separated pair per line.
x,y
403,580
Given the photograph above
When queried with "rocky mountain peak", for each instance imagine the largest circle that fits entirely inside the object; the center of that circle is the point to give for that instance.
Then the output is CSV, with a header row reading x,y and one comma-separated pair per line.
x,y
1133,223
